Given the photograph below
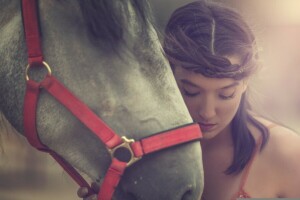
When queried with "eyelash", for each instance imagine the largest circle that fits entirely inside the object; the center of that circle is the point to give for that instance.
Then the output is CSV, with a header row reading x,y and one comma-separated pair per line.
x,y
227,97
186,93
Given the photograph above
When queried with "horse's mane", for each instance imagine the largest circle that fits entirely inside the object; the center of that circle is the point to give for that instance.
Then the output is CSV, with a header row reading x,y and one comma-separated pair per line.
x,y
107,20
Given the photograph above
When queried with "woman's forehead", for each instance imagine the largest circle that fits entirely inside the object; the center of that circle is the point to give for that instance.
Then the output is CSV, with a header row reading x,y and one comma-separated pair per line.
x,y
197,80
192,78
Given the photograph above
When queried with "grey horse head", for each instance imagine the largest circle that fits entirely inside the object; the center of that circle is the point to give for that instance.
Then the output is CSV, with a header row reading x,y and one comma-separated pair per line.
x,y
108,54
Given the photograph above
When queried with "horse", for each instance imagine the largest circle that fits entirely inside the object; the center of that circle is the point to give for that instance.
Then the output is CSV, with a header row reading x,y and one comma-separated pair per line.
x,y
107,53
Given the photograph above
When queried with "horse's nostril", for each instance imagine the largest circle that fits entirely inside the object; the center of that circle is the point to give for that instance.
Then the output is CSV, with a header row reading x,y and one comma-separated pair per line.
x,y
188,195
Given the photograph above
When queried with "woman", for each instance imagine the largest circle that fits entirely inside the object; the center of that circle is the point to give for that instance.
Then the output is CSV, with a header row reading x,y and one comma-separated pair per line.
x,y
212,53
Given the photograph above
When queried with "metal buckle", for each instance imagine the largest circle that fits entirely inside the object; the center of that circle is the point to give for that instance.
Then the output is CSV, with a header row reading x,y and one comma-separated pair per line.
x,y
44,64
126,145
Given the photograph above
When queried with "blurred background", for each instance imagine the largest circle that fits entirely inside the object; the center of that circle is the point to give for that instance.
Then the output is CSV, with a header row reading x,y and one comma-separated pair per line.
x,y
28,174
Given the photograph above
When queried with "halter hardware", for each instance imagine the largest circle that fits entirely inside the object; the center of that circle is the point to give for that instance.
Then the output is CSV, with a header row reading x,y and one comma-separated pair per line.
x,y
125,146
44,64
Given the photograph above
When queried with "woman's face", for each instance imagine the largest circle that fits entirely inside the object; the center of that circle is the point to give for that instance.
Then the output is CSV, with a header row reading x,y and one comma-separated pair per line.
x,y
212,102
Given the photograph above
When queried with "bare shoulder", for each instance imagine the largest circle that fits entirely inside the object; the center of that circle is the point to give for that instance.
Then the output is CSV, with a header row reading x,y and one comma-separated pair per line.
x,y
286,151
285,144
282,152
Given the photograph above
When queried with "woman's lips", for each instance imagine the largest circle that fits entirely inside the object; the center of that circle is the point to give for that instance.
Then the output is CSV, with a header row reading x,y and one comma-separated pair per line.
x,y
206,127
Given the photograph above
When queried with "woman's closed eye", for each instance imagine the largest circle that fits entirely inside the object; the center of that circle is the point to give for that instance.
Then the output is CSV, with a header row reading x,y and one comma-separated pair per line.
x,y
227,96
190,94
224,95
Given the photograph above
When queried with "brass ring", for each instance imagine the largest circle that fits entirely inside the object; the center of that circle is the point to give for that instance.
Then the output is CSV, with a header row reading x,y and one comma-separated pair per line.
x,y
44,64
126,145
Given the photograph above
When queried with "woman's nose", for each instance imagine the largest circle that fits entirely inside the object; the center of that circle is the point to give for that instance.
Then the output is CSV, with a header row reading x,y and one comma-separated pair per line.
x,y
207,110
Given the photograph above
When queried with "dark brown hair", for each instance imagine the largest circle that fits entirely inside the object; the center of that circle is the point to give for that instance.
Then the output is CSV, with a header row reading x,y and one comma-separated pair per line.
x,y
198,36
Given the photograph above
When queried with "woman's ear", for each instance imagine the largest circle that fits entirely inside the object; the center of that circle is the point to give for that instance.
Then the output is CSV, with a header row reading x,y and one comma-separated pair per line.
x,y
245,85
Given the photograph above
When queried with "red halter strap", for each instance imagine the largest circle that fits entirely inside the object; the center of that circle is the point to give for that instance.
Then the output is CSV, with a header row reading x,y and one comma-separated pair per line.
x,y
112,141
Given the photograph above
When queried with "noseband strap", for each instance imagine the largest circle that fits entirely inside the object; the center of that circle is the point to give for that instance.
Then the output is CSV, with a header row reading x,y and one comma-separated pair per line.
x,y
112,141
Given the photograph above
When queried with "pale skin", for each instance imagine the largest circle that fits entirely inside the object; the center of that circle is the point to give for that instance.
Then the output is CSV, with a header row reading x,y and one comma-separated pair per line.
x,y
213,102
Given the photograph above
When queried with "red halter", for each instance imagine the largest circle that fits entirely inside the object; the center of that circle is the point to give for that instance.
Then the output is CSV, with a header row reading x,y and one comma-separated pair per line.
x,y
112,141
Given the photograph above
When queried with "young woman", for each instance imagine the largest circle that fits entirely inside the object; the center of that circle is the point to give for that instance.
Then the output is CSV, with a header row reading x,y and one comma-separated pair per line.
x,y
212,53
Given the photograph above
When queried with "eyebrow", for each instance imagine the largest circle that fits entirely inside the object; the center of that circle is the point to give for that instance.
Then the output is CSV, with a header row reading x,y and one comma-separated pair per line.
x,y
194,85
231,85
